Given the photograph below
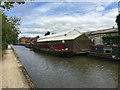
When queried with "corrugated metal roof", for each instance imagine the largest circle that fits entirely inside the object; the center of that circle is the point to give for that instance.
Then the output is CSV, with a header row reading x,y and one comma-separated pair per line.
x,y
61,36
105,31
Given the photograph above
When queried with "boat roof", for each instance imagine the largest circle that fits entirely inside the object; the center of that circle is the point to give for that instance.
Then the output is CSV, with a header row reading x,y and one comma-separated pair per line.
x,y
69,35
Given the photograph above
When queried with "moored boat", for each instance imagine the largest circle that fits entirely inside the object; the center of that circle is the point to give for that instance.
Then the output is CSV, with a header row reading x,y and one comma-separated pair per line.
x,y
29,45
66,44
105,51
107,47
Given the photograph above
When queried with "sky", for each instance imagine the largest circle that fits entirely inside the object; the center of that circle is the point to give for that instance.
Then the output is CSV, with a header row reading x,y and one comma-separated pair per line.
x,y
39,17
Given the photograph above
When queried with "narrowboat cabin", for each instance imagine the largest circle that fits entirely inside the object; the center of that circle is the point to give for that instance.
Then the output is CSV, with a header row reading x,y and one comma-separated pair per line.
x,y
64,44
105,51
109,47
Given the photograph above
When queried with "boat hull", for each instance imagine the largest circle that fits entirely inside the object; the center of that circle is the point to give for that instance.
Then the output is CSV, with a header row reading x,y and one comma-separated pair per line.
x,y
56,53
105,51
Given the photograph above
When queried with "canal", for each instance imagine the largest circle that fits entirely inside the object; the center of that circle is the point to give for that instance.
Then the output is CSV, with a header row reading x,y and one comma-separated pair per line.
x,y
47,71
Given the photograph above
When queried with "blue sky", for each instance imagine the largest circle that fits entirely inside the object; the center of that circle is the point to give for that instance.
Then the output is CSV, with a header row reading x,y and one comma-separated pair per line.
x,y
39,17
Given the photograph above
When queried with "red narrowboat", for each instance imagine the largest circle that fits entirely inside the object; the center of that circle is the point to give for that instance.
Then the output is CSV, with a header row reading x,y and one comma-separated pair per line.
x,y
63,44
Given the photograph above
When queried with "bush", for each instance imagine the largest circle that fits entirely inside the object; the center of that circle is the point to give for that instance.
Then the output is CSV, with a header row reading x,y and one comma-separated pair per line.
x,y
111,39
4,45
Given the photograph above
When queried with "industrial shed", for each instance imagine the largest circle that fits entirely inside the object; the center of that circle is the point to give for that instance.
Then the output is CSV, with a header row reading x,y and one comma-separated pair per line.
x,y
72,40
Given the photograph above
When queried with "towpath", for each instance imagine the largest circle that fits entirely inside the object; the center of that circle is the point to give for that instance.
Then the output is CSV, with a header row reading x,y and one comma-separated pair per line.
x,y
12,76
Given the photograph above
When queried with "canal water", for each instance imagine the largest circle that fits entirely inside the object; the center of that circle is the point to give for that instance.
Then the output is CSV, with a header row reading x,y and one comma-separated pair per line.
x,y
47,71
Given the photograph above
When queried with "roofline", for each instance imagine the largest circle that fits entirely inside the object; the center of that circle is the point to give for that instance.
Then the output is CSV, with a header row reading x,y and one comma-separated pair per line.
x,y
55,40
60,35
102,33
96,32
61,40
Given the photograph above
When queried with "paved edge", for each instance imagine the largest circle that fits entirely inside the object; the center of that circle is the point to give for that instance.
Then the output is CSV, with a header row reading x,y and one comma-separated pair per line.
x,y
27,77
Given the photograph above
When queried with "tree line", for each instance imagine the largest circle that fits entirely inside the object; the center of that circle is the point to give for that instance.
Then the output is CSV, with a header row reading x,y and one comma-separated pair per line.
x,y
10,30
118,23
10,26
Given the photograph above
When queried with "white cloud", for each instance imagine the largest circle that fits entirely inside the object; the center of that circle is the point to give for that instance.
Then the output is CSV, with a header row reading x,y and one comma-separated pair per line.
x,y
47,7
76,0
28,35
35,24
99,8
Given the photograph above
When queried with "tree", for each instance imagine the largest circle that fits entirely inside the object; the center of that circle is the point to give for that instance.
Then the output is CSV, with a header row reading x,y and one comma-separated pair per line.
x,y
26,41
8,5
118,23
10,30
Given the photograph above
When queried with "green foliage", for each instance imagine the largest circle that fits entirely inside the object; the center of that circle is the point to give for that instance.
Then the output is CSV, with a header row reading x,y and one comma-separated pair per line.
x,y
10,30
111,39
118,23
8,5
26,41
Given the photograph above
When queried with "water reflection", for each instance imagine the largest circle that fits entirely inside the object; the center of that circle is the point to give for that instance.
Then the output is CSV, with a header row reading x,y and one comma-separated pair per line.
x,y
49,71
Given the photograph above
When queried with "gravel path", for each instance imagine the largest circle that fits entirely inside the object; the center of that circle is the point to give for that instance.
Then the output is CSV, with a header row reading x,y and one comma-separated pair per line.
x,y
12,76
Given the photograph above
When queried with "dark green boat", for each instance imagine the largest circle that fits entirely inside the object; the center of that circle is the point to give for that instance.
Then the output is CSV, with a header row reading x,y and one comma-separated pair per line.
x,y
105,51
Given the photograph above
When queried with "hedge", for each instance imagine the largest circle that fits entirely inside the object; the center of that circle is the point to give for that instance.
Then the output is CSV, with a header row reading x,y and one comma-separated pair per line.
x,y
111,39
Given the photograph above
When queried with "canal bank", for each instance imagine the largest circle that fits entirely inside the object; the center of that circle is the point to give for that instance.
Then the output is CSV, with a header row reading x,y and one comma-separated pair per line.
x,y
48,71
14,75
